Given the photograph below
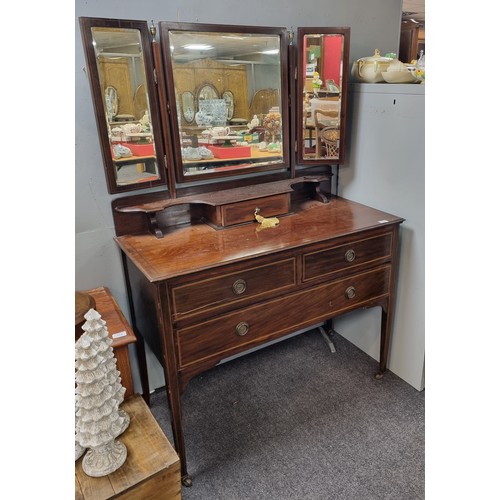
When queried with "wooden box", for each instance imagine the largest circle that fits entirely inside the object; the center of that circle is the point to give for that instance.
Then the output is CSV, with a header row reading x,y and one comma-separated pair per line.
x,y
231,152
151,470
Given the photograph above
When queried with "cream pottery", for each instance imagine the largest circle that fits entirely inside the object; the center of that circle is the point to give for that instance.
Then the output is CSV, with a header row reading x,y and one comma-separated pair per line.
x,y
397,66
369,69
220,131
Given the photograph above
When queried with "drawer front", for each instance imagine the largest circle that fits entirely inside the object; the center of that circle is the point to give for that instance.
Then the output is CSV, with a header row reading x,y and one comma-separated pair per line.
x,y
333,260
251,326
240,212
237,213
204,294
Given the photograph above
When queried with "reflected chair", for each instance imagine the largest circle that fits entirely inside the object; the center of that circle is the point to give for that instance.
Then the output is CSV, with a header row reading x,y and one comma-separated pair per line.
x,y
326,126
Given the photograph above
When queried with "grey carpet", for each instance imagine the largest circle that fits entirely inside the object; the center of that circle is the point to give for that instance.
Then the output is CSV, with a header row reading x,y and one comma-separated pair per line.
x,y
294,421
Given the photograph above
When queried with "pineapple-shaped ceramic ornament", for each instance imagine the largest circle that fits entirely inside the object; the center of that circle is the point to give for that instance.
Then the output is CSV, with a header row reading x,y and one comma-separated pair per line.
x,y
99,392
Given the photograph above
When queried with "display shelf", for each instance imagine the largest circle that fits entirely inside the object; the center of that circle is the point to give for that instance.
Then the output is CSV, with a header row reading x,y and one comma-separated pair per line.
x,y
255,155
134,159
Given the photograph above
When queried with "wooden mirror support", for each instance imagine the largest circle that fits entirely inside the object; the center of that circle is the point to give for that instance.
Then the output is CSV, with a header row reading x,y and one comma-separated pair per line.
x,y
220,209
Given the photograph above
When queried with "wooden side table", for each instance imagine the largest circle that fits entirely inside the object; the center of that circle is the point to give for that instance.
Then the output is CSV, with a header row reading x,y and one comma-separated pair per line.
x,y
151,470
122,334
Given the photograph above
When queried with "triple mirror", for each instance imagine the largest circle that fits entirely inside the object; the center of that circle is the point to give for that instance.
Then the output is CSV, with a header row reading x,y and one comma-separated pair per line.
x,y
212,101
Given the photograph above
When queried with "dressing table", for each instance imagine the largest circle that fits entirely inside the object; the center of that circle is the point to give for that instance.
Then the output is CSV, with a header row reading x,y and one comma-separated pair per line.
x,y
206,278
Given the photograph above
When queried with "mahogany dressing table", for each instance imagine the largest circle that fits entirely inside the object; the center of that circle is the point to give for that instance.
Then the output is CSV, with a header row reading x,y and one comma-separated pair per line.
x,y
205,281
199,294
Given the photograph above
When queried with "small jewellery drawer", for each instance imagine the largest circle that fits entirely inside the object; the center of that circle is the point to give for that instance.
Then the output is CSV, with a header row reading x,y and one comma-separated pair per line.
x,y
335,259
253,325
244,211
204,294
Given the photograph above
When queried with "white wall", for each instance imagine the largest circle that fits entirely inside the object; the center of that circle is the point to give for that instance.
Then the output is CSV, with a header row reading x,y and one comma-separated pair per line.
x,y
374,24
385,169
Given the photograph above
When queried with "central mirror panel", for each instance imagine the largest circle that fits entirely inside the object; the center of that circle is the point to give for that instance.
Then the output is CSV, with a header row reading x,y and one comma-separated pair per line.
x,y
322,89
229,85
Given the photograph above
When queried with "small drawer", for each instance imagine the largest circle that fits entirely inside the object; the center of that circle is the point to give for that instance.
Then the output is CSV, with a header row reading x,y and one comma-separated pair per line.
x,y
327,262
241,330
205,294
243,211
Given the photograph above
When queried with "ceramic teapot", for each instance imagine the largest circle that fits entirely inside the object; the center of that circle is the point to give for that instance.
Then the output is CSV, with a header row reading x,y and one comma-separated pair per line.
x,y
131,128
369,69
219,131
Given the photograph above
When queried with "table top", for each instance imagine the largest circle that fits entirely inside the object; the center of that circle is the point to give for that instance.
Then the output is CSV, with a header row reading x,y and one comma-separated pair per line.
x,y
198,246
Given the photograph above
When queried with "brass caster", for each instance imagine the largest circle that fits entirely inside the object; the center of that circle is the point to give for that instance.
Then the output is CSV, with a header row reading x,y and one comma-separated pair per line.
x,y
379,375
187,481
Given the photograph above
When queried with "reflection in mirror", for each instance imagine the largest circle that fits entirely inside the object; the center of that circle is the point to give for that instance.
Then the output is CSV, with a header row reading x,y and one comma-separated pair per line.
x,y
120,66
188,106
206,93
228,70
229,100
323,58
111,100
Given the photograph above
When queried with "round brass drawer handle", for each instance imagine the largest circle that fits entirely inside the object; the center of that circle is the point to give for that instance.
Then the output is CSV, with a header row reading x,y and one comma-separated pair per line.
x,y
242,328
350,255
350,292
239,286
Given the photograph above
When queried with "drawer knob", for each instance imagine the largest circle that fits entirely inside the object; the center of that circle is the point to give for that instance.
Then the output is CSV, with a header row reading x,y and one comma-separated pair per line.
x,y
242,328
350,292
350,255
239,286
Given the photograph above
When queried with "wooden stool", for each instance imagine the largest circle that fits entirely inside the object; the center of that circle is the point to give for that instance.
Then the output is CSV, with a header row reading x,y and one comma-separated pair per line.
x,y
151,470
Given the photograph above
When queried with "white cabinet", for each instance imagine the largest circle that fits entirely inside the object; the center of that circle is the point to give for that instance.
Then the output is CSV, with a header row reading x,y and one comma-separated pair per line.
x,y
384,168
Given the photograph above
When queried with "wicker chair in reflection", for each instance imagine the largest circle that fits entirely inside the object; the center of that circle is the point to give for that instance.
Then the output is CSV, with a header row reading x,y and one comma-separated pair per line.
x,y
326,124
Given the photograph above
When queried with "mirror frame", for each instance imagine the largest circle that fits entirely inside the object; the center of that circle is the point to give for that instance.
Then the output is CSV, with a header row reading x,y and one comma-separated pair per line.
x,y
86,25
202,89
165,27
302,32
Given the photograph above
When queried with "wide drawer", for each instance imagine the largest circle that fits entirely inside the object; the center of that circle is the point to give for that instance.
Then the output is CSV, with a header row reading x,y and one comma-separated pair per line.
x,y
253,325
332,260
205,294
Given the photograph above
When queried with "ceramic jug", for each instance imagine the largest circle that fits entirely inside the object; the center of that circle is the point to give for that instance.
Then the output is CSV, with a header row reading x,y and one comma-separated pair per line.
x,y
220,131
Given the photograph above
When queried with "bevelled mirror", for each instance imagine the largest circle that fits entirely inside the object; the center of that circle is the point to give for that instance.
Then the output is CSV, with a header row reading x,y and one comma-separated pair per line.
x,y
120,69
238,77
323,62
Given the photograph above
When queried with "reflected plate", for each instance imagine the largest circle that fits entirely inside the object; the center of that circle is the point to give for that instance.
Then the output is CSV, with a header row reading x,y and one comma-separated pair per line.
x,y
398,77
